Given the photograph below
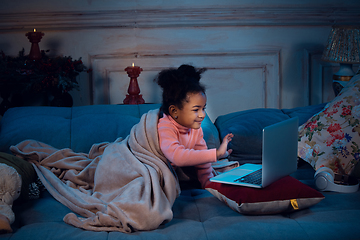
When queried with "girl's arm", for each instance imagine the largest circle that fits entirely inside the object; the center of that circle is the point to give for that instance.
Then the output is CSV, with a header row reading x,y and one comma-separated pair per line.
x,y
178,154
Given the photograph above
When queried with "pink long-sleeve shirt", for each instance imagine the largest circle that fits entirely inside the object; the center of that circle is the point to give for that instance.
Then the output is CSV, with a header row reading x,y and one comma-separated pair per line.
x,y
184,146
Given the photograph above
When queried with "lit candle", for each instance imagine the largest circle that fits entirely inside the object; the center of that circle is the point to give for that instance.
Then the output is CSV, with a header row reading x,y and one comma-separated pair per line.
x,y
34,37
35,34
133,97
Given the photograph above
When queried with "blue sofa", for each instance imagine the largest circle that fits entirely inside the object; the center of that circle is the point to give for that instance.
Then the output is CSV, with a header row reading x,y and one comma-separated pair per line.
x,y
197,213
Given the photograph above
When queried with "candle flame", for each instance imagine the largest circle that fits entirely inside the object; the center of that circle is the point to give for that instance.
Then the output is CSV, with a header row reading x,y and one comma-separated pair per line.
x,y
34,30
133,64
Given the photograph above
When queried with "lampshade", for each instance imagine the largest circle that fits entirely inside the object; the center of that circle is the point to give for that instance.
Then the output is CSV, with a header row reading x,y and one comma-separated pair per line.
x,y
343,45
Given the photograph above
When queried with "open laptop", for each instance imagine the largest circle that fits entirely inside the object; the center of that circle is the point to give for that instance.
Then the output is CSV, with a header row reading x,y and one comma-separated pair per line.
x,y
279,158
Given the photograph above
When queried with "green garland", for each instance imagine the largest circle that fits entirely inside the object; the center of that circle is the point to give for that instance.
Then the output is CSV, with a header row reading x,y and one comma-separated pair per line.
x,y
21,74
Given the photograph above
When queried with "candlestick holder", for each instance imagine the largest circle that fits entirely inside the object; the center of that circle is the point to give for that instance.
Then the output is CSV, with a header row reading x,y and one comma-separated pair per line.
x,y
133,97
34,38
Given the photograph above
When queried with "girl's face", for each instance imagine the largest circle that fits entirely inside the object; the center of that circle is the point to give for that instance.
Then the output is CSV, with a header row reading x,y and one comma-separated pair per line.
x,y
193,111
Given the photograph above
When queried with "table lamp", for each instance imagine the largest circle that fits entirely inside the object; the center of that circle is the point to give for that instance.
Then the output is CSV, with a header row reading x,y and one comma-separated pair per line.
x,y
343,46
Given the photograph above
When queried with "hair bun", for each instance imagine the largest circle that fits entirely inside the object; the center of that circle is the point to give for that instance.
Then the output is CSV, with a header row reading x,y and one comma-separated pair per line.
x,y
191,72
166,78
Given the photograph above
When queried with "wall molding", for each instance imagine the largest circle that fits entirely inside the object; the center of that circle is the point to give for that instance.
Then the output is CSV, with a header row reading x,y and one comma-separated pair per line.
x,y
183,17
265,63
317,75
317,78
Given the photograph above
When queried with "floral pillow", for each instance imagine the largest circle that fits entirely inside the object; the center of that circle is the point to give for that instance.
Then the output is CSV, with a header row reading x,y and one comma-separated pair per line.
x,y
331,138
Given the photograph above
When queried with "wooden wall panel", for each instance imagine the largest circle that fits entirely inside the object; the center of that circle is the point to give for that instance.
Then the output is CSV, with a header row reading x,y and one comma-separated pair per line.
x,y
235,80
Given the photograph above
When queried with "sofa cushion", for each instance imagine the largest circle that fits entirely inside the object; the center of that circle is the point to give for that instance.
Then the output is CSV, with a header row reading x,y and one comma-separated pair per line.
x,y
100,123
76,128
304,113
285,195
247,129
331,138
45,124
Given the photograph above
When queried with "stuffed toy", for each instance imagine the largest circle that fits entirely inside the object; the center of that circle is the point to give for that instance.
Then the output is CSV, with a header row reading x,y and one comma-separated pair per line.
x,y
10,188
18,182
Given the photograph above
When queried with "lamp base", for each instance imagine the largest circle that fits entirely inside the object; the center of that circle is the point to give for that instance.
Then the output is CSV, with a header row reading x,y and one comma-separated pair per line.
x,y
339,82
337,87
345,70
342,77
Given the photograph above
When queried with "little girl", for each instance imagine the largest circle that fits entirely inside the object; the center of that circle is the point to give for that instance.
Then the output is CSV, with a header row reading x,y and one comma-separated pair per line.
x,y
180,134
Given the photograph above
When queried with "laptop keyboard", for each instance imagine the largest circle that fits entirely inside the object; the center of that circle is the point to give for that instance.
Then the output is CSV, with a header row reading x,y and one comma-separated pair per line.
x,y
252,178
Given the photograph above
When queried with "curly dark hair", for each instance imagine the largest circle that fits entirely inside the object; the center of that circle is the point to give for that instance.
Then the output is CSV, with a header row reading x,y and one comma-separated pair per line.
x,y
177,83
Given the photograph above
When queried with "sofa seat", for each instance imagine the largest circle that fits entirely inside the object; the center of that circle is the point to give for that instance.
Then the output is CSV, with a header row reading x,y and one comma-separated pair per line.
x,y
199,215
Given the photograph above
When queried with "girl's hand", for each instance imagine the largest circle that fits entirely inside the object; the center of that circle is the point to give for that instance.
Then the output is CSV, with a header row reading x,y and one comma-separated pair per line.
x,y
222,151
